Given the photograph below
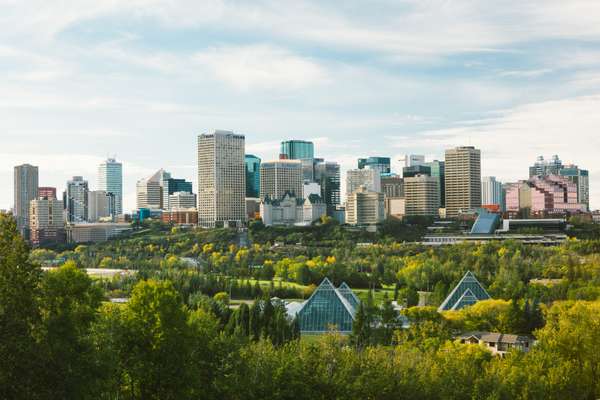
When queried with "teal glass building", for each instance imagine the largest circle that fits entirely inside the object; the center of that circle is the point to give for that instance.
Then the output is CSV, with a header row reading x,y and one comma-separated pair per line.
x,y
252,175
381,164
297,150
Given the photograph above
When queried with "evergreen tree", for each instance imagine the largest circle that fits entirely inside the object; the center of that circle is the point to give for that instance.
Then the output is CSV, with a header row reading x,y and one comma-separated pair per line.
x,y
20,364
361,328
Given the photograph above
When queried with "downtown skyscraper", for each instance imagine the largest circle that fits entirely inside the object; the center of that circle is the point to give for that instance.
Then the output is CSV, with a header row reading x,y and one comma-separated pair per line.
x,y
463,180
25,190
221,179
110,180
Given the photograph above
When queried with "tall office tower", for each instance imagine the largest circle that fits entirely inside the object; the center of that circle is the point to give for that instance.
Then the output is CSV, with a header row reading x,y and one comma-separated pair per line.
x,y
491,191
149,191
101,205
438,170
252,175
410,160
581,178
76,200
545,167
171,186
280,177
381,164
422,195
221,179
463,180
25,190
45,192
182,201
296,150
46,221
327,174
369,178
364,207
110,180
392,186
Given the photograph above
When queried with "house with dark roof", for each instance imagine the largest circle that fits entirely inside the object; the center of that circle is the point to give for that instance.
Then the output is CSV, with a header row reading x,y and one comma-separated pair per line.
x,y
468,292
498,343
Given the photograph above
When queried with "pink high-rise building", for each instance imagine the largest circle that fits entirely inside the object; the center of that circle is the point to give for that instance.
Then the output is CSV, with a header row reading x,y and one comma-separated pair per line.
x,y
547,194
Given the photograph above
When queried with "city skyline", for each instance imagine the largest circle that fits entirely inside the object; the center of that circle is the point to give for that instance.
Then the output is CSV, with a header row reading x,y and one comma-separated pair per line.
x,y
89,80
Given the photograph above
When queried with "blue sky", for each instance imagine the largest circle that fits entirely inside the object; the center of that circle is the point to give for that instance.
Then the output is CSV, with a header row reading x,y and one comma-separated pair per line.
x,y
140,79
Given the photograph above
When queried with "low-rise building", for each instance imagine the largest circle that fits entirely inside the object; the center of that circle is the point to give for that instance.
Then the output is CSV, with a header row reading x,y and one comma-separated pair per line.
x,y
182,200
498,343
180,216
95,232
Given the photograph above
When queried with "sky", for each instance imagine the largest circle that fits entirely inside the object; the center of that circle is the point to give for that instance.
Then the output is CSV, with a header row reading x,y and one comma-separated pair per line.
x,y
140,79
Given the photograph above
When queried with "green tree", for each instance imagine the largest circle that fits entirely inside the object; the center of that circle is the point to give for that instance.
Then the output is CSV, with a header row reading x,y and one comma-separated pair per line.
x,y
20,363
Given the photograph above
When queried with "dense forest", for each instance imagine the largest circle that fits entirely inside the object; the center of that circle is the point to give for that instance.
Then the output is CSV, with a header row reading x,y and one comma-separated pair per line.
x,y
177,338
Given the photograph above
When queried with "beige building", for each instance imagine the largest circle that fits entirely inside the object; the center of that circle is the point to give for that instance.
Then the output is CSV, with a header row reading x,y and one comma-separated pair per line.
x,y
369,178
95,232
280,177
422,195
46,220
101,205
182,201
25,190
221,179
364,207
395,207
463,180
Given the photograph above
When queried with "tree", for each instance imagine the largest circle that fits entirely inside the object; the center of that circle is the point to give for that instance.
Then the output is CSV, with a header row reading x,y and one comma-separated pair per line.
x,y
361,328
156,346
69,300
20,363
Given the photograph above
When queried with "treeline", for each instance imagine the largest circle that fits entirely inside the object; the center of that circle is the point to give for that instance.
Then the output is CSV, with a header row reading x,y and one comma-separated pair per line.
x,y
59,340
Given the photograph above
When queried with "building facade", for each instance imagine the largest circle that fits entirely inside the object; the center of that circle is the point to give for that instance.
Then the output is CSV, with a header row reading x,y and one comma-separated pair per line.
x,y
581,178
543,195
101,205
296,150
291,210
327,174
252,175
380,164
46,192
392,186
364,207
463,180
437,169
149,193
110,180
182,201
280,177
25,190
76,200
368,178
422,196
171,186
221,179
46,221
492,192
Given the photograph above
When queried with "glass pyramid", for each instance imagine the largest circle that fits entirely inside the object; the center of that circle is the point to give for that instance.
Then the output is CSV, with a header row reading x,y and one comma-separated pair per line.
x,y
328,308
468,292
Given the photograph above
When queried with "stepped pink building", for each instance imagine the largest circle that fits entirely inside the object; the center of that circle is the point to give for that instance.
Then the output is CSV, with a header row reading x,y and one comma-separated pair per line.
x,y
549,194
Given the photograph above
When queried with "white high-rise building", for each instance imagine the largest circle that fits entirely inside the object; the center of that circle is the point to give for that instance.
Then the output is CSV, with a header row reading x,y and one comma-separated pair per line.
x,y
364,207
280,177
491,191
182,201
369,178
25,190
46,221
149,192
110,180
76,200
221,179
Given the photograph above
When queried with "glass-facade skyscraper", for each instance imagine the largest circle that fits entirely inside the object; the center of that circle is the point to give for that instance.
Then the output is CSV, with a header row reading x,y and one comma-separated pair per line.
x,y
252,175
296,150
110,180
26,189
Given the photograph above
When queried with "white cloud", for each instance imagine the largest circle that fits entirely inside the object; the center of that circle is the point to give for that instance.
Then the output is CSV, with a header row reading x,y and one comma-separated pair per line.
x,y
260,66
